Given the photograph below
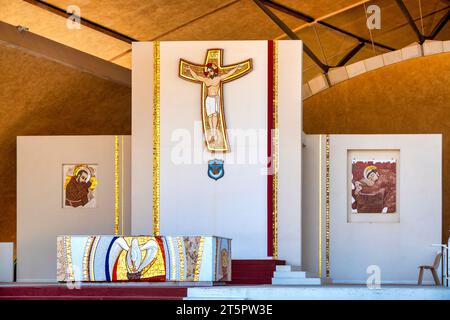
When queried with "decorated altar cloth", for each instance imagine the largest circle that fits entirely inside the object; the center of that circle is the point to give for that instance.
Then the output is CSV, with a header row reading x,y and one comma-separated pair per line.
x,y
143,258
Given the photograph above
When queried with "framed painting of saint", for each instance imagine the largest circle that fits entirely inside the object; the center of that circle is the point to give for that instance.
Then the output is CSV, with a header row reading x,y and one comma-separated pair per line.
x,y
79,186
374,186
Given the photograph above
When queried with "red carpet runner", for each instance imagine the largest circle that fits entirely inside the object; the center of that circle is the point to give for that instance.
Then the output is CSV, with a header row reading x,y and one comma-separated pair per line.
x,y
244,272
90,292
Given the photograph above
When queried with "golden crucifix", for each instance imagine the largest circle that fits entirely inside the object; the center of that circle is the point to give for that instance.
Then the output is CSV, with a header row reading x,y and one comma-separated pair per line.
x,y
212,75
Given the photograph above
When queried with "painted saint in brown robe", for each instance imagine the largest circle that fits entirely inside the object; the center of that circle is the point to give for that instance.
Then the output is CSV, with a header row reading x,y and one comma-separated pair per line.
x,y
77,190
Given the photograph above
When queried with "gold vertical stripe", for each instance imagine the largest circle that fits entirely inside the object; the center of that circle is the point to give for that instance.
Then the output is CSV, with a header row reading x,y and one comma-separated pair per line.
x,y
327,206
320,208
181,256
199,259
92,258
116,185
121,184
87,252
68,245
275,150
156,135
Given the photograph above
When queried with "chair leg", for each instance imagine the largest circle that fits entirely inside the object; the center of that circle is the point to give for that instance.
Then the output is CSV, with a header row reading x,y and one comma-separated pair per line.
x,y
435,277
419,282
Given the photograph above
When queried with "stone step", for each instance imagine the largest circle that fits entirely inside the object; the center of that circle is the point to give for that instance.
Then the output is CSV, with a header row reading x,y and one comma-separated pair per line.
x,y
289,274
285,268
297,281
288,268
331,292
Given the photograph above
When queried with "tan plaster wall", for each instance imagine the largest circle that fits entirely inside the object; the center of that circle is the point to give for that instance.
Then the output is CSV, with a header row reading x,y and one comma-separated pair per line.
x,y
409,97
41,97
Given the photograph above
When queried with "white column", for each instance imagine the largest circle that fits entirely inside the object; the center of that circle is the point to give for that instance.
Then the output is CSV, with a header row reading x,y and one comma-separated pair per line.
x,y
142,139
290,151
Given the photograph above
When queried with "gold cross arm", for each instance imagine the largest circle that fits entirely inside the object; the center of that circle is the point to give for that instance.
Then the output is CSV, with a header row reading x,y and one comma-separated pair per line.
x,y
214,56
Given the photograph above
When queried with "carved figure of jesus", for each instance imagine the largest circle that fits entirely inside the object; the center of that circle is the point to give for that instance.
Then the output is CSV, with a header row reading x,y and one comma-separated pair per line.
x,y
212,75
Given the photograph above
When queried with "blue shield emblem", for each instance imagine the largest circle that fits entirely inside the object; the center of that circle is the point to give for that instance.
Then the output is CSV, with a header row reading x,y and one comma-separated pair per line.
x,y
215,169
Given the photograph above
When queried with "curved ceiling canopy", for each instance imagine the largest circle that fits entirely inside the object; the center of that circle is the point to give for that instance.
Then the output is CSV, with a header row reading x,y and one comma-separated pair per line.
x,y
334,32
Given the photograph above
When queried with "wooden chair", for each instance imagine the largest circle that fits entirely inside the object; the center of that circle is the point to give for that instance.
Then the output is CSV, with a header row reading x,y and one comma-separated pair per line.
x,y
432,268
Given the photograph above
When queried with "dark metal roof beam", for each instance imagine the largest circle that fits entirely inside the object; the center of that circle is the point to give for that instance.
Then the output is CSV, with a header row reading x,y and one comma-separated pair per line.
x,y
300,15
441,24
410,20
291,34
350,54
360,39
287,10
90,24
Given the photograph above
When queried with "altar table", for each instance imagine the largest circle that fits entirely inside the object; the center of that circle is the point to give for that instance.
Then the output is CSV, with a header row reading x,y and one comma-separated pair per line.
x,y
143,258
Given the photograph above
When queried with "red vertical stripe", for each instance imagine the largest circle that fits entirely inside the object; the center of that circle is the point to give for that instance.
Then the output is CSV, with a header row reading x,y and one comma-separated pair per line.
x,y
114,271
270,127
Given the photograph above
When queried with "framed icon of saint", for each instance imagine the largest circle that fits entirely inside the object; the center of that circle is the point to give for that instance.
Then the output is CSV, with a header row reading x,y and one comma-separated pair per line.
x,y
79,186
